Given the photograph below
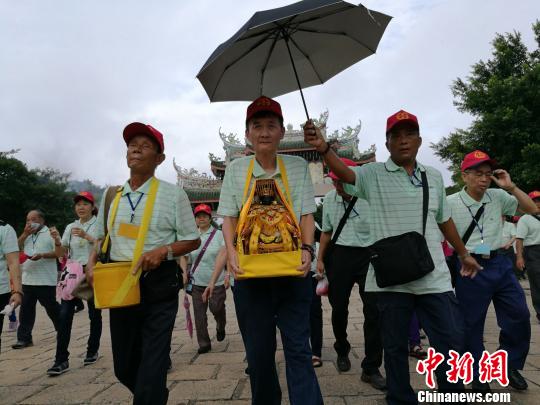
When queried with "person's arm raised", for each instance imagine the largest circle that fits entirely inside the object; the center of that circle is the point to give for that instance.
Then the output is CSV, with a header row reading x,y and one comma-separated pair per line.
x,y
313,137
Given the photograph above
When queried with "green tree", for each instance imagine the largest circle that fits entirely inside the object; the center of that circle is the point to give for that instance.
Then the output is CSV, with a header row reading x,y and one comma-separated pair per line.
x,y
22,189
503,96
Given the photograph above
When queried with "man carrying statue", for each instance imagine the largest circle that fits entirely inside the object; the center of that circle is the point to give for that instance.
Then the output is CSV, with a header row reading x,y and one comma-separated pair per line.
x,y
267,201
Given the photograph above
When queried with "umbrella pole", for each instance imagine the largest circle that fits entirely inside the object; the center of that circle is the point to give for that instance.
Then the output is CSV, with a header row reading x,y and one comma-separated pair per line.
x,y
286,37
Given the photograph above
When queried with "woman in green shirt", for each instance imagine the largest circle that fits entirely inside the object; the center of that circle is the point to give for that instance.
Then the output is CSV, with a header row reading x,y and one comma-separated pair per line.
x,y
77,241
210,255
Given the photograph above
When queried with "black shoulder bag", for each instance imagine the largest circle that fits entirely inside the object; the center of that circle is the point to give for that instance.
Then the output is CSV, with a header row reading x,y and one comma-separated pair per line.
x,y
403,258
453,262
331,245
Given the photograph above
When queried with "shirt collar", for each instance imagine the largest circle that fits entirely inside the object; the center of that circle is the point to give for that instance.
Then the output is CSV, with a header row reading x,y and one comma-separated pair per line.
x,y
392,167
258,171
142,189
209,230
43,229
469,201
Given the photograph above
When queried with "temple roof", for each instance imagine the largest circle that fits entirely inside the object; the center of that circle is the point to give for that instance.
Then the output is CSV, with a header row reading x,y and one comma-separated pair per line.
x,y
202,187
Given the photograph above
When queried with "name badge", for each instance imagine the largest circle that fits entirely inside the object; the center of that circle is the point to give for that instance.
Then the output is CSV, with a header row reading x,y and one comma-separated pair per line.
x,y
483,249
130,231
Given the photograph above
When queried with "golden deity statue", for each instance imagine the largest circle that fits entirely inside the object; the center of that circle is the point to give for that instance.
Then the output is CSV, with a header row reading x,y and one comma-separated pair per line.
x,y
269,226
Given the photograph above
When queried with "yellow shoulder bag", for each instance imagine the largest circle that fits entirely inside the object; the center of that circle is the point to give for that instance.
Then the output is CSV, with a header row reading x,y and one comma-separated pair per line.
x,y
268,237
114,284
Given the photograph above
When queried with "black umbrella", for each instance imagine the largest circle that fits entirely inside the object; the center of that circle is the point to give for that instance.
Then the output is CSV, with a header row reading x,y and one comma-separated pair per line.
x,y
289,48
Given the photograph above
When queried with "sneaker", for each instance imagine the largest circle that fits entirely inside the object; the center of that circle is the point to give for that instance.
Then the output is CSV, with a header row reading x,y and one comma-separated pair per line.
x,y
343,363
417,352
376,380
516,380
22,345
58,368
12,327
220,335
90,358
480,387
204,349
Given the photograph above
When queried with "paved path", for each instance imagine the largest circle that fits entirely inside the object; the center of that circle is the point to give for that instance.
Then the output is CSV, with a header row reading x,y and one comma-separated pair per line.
x,y
213,378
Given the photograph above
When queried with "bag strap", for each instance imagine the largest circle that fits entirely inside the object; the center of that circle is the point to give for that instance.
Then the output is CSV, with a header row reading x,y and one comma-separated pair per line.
x,y
425,201
343,220
473,223
109,197
115,204
132,279
203,251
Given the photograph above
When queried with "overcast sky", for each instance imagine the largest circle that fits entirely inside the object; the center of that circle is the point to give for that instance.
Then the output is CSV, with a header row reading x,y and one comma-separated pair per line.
x,y
74,73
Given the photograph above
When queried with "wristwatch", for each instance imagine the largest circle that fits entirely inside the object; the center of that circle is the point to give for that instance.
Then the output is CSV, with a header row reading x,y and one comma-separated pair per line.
x,y
170,254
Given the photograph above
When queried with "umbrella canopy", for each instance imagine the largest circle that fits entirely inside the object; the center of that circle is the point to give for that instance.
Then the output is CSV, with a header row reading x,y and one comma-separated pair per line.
x,y
289,48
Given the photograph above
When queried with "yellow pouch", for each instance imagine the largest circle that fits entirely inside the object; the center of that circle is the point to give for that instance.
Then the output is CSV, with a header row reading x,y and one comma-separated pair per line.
x,y
266,265
114,284
108,278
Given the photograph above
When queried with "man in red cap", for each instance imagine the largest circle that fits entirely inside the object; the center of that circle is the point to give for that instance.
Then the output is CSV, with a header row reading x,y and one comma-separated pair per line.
x,y
395,192
477,211
528,249
141,334
262,304
347,256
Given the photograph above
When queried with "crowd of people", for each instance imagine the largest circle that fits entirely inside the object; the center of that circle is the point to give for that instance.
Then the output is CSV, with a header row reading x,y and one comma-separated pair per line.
x,y
422,260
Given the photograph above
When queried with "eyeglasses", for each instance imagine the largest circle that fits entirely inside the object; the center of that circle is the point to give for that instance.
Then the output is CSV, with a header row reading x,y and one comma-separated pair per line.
x,y
477,173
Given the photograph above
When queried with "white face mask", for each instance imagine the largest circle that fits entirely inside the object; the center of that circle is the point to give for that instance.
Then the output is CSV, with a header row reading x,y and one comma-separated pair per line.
x,y
35,225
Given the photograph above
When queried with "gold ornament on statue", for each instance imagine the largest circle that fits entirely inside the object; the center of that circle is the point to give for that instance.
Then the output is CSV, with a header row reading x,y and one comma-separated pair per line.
x,y
269,227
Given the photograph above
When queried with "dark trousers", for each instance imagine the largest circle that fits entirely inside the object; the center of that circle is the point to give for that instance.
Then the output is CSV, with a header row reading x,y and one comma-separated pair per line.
x,y
216,303
441,319
532,261
414,332
141,343
497,283
261,305
67,310
46,295
4,300
349,266
316,320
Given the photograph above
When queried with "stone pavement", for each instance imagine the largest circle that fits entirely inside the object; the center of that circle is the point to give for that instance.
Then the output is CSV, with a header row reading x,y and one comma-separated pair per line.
x,y
213,378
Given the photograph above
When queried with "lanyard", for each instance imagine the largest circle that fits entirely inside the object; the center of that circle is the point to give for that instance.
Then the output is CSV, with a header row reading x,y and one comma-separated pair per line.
x,y
415,181
353,209
480,228
34,240
134,206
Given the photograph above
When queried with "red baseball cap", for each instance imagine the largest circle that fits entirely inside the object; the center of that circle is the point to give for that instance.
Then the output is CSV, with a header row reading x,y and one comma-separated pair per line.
x,y
202,208
348,162
401,116
84,195
263,103
138,128
534,194
475,158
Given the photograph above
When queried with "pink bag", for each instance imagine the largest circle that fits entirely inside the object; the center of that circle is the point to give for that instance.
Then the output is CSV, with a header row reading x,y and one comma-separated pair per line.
x,y
70,278
322,287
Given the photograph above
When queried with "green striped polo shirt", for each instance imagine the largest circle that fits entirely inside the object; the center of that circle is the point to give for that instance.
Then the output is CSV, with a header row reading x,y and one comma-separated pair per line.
x,y
8,244
172,219
80,248
528,229
42,271
356,230
205,268
301,187
496,203
395,201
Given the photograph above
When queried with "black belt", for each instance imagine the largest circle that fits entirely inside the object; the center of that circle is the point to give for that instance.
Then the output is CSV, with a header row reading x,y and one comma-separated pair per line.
x,y
492,254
